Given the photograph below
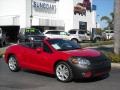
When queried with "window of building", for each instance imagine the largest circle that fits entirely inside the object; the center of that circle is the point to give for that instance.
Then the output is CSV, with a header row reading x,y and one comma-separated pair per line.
x,y
83,25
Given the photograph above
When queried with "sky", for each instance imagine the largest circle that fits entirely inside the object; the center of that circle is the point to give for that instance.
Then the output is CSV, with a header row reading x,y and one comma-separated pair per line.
x,y
104,8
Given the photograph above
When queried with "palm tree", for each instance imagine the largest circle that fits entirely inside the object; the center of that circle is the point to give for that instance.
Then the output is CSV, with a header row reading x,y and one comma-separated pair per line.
x,y
117,27
109,21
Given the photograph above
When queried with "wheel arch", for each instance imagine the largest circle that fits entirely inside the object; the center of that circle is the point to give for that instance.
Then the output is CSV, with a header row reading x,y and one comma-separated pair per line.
x,y
57,63
75,39
71,76
12,54
7,58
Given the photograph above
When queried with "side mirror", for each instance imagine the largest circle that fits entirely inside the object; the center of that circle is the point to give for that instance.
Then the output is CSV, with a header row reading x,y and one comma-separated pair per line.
x,y
39,50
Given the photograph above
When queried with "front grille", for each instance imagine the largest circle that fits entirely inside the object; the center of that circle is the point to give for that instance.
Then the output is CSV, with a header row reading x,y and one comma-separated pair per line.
x,y
105,69
98,60
100,63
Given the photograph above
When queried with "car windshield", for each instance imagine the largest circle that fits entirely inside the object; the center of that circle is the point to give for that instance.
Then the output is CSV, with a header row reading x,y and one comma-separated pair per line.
x,y
63,45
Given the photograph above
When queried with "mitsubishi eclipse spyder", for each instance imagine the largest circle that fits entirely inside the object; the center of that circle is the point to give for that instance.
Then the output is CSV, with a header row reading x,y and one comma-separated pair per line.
x,y
63,58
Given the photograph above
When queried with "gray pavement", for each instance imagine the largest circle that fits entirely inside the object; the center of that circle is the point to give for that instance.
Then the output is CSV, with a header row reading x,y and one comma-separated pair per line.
x,y
29,80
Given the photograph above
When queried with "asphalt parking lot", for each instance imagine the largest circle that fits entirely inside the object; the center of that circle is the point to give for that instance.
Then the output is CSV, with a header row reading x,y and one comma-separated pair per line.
x,y
29,80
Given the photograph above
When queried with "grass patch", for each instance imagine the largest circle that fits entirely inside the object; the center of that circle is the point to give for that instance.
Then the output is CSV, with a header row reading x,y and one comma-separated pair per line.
x,y
108,51
90,43
2,50
115,58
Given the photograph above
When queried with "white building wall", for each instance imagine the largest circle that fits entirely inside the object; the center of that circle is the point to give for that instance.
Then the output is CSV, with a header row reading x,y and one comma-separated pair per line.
x,y
90,18
12,12
65,13
17,12
94,19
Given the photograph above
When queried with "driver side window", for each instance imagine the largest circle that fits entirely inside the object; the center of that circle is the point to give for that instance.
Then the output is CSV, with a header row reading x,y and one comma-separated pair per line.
x,y
46,48
37,44
32,44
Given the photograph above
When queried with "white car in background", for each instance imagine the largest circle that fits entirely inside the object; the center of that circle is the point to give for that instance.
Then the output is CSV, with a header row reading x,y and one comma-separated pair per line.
x,y
62,34
57,34
108,34
73,35
78,36
82,35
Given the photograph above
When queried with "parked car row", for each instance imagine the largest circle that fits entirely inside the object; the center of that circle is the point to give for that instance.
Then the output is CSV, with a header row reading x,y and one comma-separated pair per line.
x,y
73,35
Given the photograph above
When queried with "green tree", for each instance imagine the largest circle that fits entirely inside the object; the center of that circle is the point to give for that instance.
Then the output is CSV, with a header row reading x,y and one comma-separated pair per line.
x,y
117,27
109,21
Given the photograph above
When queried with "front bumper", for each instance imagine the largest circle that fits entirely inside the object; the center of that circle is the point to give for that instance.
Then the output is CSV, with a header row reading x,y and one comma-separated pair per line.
x,y
94,70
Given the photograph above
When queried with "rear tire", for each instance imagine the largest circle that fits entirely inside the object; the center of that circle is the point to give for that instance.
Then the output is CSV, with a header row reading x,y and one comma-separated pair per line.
x,y
13,64
75,40
63,72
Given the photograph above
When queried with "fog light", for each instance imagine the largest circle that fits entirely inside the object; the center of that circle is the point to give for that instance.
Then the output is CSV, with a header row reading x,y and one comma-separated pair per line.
x,y
87,74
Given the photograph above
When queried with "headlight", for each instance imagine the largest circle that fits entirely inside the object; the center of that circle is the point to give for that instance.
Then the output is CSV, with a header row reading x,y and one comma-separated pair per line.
x,y
84,63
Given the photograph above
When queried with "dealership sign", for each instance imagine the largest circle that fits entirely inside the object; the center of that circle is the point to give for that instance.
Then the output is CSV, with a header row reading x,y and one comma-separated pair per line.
x,y
44,6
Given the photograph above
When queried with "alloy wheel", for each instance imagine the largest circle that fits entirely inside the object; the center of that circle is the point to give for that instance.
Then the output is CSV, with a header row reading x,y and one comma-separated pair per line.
x,y
12,63
63,72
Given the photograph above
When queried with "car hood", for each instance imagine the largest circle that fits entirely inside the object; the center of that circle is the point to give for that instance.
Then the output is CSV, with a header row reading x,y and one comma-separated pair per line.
x,y
83,52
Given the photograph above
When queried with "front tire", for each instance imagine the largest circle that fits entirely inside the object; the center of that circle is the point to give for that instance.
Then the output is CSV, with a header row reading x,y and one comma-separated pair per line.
x,y
63,72
13,64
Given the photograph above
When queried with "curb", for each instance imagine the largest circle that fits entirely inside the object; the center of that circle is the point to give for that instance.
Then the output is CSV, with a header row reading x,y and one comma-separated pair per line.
x,y
115,65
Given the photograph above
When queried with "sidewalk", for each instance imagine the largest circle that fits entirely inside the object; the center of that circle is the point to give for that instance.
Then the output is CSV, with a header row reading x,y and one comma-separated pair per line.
x,y
115,65
2,50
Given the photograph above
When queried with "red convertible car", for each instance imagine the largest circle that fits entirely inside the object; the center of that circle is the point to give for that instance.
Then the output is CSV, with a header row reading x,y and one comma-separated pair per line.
x,y
63,58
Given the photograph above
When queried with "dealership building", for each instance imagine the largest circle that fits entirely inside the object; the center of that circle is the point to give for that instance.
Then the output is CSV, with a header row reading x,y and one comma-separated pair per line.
x,y
47,15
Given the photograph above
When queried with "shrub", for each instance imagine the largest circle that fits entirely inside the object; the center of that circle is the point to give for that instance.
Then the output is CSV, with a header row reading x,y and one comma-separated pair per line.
x,y
113,57
90,43
0,55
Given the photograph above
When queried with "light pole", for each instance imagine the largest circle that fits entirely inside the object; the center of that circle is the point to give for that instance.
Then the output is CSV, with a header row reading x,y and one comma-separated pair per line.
x,y
97,18
31,20
31,16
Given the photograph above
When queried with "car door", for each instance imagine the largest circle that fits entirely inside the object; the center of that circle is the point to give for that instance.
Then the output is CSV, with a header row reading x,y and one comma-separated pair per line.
x,y
40,61
73,33
82,35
